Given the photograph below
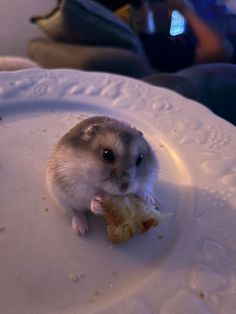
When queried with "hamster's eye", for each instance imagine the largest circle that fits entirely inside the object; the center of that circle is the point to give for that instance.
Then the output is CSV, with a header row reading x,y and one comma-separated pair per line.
x,y
108,155
139,159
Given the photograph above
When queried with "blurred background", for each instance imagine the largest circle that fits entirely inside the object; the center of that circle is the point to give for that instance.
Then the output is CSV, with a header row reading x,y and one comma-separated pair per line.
x,y
192,53
15,28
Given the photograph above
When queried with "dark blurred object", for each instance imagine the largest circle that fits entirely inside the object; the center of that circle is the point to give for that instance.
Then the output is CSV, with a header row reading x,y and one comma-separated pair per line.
x,y
168,54
114,5
145,21
213,85
200,42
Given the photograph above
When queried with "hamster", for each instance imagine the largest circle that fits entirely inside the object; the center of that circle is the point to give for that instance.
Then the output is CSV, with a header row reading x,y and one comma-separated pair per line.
x,y
99,156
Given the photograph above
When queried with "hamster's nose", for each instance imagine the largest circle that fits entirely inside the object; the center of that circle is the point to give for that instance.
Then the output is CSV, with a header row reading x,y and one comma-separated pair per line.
x,y
124,186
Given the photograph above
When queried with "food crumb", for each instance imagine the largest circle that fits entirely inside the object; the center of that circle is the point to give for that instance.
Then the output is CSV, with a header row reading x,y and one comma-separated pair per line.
x,y
46,209
2,229
81,275
73,277
83,115
201,295
114,273
97,293
94,296
76,277
111,285
43,129
161,146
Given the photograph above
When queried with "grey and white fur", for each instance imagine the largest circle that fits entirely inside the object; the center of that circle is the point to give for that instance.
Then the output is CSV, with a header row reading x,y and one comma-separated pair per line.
x,y
99,156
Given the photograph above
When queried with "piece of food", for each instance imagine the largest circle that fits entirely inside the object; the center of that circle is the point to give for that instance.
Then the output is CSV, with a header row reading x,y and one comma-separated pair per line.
x,y
127,216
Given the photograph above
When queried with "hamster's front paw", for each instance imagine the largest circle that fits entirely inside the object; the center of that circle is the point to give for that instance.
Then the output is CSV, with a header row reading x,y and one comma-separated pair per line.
x,y
96,205
79,224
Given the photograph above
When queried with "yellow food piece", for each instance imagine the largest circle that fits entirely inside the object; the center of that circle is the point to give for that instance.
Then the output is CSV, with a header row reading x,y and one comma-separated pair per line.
x,y
127,216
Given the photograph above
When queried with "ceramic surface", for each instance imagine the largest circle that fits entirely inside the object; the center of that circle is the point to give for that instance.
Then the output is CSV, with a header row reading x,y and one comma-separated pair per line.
x,y
186,265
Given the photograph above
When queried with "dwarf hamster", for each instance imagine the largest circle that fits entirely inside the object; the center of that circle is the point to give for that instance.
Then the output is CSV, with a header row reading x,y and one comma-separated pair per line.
x,y
99,156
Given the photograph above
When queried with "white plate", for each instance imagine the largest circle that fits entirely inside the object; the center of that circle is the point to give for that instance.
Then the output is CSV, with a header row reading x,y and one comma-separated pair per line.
x,y
187,265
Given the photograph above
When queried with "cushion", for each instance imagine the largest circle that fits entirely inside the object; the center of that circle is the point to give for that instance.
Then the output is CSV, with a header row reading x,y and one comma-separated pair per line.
x,y
51,54
13,63
212,84
87,22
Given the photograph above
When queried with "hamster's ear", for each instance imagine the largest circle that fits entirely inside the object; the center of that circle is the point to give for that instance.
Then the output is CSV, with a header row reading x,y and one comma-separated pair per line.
x,y
139,132
90,132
